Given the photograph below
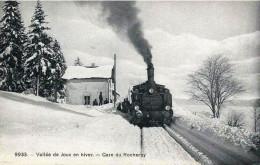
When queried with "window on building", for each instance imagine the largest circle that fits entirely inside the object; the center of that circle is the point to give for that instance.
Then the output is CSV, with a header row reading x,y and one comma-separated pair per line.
x,y
87,100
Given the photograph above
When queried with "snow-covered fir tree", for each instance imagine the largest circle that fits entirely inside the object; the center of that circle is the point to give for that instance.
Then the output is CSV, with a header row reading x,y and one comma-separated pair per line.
x,y
12,44
58,67
45,63
59,59
39,52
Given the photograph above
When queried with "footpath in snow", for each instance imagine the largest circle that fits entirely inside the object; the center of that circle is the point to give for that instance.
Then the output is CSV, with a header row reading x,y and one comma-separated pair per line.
x,y
52,133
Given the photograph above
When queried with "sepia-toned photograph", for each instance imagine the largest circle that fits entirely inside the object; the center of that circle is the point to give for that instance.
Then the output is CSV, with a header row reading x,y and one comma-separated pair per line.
x,y
129,82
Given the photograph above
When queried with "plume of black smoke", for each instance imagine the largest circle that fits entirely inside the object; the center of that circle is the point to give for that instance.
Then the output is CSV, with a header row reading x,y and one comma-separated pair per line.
x,y
123,18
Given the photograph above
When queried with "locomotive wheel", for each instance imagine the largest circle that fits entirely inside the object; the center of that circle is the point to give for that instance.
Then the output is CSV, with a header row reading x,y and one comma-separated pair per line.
x,y
167,121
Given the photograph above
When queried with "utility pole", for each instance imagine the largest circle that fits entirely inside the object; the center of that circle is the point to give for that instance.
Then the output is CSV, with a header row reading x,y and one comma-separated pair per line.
x,y
37,85
114,80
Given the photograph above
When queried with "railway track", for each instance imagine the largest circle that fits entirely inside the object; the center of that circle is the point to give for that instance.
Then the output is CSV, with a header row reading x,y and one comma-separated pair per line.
x,y
142,141
157,140
203,148
156,143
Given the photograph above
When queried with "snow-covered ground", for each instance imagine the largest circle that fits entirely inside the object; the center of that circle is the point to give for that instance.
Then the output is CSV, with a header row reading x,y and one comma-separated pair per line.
x,y
198,117
205,112
33,125
161,148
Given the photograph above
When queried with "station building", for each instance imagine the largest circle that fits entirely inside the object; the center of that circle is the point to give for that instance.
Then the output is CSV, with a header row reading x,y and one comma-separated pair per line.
x,y
84,84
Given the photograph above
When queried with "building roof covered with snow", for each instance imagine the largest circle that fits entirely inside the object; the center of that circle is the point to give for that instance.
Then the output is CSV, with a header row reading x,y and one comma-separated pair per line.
x,y
82,72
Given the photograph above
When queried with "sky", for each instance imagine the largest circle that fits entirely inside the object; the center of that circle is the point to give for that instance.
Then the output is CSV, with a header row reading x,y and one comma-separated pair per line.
x,y
182,35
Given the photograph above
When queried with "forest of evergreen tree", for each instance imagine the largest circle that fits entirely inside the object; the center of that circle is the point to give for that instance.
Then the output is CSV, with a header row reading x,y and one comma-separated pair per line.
x,y
32,61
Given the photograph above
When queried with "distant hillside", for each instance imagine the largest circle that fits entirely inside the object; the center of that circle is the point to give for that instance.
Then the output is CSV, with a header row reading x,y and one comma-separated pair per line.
x,y
242,103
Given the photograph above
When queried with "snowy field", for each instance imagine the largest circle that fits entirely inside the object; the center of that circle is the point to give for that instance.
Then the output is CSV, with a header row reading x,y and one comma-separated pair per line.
x,y
205,112
33,125
199,117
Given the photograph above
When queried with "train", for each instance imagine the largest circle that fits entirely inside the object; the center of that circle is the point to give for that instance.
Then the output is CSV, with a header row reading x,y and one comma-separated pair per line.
x,y
151,103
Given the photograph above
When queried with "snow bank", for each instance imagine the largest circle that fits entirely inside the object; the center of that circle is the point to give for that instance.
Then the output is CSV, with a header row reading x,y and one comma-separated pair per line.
x,y
34,125
238,136
196,154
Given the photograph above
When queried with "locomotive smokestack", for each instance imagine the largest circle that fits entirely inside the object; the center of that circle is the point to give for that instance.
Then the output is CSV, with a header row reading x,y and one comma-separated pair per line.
x,y
150,74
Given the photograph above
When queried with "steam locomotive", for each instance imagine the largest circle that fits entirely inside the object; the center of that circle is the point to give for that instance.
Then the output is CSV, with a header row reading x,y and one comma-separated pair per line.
x,y
151,103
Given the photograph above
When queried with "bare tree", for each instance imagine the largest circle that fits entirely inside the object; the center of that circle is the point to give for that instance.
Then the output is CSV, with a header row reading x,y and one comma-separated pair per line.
x,y
214,83
236,119
256,115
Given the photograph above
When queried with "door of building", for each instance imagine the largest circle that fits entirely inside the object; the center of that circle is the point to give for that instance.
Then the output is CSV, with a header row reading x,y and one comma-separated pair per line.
x,y
87,100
